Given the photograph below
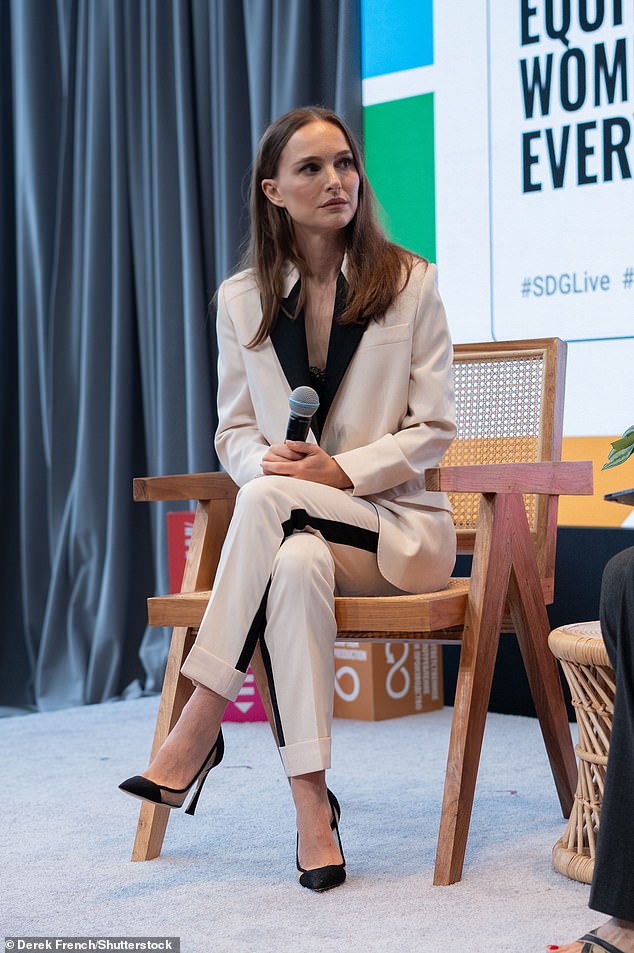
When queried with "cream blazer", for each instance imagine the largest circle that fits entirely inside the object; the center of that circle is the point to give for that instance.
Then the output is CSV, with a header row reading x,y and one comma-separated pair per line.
x,y
387,412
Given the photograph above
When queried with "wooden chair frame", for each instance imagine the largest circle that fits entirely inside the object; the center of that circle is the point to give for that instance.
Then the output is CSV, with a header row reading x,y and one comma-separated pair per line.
x,y
510,584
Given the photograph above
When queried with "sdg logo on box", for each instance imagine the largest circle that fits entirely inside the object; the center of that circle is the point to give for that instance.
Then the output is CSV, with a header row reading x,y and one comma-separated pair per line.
x,y
377,681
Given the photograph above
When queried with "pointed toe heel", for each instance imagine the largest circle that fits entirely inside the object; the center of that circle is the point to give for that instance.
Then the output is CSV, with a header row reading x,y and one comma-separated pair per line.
x,y
147,790
323,878
332,875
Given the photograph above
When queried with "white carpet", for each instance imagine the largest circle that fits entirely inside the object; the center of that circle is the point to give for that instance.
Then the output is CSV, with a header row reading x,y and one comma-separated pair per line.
x,y
226,881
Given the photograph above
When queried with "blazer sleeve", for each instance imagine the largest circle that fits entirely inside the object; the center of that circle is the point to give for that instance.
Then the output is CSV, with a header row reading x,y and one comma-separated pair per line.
x,y
239,443
428,426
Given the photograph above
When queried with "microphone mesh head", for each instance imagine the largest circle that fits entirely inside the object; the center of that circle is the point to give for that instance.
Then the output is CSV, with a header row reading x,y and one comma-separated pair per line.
x,y
303,401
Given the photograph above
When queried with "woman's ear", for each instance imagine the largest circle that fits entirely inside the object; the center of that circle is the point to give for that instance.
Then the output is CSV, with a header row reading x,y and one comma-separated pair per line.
x,y
269,187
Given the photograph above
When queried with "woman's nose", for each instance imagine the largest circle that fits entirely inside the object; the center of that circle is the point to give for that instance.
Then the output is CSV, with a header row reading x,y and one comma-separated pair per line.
x,y
334,182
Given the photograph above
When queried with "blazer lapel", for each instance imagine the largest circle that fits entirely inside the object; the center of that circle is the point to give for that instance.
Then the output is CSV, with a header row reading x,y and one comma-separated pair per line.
x,y
344,340
289,340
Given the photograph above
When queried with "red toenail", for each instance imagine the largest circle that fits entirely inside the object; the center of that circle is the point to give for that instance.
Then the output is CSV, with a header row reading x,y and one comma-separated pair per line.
x,y
552,947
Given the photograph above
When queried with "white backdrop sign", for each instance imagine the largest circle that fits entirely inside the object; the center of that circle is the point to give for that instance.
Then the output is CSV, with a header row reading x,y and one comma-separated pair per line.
x,y
561,93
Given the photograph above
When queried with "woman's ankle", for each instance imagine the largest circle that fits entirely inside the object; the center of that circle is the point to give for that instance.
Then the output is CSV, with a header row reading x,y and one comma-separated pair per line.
x,y
189,741
619,932
317,847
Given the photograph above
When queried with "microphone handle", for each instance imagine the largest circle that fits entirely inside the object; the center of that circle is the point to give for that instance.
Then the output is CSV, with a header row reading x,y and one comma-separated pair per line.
x,y
298,428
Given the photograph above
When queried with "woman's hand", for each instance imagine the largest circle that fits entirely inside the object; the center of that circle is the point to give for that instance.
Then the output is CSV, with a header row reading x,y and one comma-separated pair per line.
x,y
304,461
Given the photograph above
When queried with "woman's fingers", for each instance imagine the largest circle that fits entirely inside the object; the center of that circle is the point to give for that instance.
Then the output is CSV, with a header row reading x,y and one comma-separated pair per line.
x,y
312,464
281,451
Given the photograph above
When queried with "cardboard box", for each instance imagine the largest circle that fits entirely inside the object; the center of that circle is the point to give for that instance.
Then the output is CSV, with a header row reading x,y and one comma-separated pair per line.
x,y
374,681
248,705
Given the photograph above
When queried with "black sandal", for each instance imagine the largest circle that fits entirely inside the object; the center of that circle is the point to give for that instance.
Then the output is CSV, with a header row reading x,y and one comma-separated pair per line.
x,y
596,944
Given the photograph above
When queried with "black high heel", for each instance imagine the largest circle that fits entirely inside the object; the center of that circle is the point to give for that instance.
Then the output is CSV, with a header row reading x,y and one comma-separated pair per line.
x,y
325,878
147,790
335,808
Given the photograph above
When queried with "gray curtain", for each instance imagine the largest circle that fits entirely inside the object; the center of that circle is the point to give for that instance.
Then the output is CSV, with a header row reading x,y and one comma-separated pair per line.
x,y
127,130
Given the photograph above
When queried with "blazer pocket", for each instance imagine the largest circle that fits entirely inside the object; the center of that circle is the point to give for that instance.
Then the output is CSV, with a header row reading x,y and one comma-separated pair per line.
x,y
376,335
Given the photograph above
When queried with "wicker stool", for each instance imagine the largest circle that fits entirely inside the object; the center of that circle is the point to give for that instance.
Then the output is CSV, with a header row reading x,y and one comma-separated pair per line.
x,y
580,649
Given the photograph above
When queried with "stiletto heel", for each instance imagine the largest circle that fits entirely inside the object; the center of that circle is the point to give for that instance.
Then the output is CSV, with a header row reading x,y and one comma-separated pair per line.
x,y
147,790
335,808
325,878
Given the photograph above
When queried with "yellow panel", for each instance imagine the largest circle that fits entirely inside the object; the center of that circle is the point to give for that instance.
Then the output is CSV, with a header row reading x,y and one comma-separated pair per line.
x,y
593,510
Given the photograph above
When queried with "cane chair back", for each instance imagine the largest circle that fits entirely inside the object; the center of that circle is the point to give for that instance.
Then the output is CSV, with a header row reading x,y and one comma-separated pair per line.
x,y
509,409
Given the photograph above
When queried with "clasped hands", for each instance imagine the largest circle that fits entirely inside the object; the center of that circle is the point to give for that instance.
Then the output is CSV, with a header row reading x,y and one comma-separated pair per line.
x,y
304,461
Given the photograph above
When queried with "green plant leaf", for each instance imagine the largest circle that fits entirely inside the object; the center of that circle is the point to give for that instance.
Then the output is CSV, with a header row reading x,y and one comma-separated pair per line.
x,y
627,440
621,450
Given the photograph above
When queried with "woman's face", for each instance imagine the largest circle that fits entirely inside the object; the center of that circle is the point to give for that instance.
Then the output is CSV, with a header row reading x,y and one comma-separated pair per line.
x,y
317,181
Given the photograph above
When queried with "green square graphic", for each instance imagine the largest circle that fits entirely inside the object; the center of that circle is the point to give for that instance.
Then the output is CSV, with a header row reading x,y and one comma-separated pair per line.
x,y
399,157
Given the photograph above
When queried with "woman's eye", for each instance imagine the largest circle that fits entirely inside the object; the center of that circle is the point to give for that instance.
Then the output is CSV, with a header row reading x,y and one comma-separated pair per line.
x,y
310,167
346,163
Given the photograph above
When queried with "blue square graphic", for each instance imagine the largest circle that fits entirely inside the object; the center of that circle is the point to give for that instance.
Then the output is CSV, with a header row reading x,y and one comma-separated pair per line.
x,y
396,35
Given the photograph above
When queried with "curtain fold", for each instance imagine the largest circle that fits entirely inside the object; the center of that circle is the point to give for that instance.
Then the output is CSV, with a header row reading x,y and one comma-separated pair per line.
x,y
128,128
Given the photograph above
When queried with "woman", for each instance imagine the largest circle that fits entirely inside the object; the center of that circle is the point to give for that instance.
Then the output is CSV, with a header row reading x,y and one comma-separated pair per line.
x,y
612,889
325,301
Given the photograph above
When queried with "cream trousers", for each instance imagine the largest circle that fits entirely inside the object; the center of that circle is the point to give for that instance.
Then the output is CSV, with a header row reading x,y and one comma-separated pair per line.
x,y
291,546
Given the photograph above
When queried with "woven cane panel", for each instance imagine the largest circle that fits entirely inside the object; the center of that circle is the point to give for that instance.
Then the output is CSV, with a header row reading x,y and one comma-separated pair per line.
x,y
592,689
498,416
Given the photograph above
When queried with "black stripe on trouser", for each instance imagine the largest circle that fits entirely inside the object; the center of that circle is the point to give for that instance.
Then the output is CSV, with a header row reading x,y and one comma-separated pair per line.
x,y
334,532
268,668
256,629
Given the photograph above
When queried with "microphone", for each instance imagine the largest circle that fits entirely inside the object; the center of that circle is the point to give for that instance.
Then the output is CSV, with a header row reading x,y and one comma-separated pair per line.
x,y
304,403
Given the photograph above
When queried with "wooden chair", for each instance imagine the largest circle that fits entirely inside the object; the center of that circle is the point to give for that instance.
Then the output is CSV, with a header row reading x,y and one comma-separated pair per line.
x,y
504,475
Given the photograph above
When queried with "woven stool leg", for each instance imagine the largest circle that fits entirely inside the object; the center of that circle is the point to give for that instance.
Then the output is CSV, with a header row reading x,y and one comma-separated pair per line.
x,y
592,691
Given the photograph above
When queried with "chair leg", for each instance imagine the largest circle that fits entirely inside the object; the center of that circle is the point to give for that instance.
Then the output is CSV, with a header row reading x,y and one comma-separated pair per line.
x,y
490,574
532,628
174,696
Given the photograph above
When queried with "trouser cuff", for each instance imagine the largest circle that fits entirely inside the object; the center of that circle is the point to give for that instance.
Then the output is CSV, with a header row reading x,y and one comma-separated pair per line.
x,y
306,757
213,673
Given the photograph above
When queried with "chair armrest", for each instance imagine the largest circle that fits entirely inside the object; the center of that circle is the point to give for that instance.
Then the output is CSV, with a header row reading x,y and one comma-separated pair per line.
x,y
561,477
185,486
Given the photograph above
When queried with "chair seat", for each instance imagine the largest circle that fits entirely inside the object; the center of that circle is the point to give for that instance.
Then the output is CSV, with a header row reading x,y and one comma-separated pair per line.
x,y
411,616
428,615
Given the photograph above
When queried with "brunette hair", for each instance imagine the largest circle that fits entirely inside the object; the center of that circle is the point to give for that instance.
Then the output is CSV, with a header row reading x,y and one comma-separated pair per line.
x,y
377,268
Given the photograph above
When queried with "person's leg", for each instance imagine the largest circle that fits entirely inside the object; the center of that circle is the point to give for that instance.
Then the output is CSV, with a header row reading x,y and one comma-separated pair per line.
x,y
253,599
613,882
268,511
316,845
190,740
298,650
298,641
612,890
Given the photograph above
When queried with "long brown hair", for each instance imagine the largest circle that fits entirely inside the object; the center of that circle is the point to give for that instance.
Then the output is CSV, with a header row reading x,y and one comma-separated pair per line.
x,y
377,268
